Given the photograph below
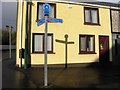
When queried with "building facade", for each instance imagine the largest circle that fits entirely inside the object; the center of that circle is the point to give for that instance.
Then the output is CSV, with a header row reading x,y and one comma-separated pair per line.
x,y
87,26
115,19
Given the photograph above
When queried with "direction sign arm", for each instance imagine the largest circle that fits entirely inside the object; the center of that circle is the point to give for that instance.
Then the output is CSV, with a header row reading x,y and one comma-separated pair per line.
x,y
55,20
40,22
70,42
60,41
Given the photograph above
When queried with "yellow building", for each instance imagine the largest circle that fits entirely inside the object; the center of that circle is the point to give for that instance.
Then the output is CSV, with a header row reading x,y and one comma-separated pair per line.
x,y
88,27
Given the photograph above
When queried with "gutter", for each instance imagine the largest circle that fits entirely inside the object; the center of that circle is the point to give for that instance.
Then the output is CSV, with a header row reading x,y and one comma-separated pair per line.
x,y
78,3
27,62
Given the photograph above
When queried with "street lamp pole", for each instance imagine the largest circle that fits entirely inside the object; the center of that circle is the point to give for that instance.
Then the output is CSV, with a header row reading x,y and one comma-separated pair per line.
x,y
10,30
10,34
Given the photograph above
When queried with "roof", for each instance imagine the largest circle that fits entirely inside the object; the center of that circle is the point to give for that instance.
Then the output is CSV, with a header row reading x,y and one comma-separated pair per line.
x,y
105,4
79,1
90,3
95,2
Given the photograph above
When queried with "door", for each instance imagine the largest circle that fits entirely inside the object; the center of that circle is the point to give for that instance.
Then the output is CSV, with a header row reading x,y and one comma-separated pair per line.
x,y
104,49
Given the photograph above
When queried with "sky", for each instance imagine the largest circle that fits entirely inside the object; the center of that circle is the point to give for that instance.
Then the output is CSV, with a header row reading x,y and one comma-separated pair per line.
x,y
8,12
114,1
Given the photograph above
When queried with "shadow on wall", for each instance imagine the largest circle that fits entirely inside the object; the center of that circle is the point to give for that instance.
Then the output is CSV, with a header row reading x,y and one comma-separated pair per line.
x,y
104,57
116,52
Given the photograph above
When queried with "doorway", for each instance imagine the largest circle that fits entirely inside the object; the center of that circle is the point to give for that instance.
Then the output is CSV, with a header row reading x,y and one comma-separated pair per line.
x,y
104,49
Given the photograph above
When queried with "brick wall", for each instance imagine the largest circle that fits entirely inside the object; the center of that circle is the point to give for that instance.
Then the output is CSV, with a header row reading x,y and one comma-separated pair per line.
x,y
115,20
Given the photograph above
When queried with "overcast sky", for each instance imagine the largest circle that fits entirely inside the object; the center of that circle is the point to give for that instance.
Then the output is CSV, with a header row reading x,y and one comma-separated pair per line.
x,y
114,1
9,8
9,14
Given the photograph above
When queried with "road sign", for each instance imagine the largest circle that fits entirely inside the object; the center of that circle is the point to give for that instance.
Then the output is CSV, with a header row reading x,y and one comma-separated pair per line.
x,y
40,22
55,20
46,9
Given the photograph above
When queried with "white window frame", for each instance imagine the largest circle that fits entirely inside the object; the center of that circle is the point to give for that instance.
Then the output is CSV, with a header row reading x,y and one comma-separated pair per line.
x,y
87,37
41,49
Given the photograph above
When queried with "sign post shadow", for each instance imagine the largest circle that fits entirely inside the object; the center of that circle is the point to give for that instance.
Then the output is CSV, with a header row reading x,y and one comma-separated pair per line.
x,y
66,48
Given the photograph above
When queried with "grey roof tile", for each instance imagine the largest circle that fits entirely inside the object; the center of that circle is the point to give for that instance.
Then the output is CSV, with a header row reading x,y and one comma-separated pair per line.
x,y
95,2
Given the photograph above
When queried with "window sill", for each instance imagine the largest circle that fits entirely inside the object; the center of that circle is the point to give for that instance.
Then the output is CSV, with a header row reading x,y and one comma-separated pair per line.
x,y
87,53
43,53
96,24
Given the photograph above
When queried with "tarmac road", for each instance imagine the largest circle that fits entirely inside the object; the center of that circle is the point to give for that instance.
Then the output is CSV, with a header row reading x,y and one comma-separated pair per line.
x,y
91,76
5,54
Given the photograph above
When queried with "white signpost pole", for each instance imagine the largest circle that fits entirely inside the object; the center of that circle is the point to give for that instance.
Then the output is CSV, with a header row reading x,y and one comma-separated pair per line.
x,y
45,53
46,8
46,11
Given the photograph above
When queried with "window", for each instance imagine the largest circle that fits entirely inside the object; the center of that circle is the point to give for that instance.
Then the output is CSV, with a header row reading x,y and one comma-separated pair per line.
x,y
38,43
87,43
91,15
40,11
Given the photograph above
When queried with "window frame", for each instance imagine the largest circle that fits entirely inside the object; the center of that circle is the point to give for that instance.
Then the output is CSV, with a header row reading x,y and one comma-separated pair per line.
x,y
53,4
33,43
91,23
86,52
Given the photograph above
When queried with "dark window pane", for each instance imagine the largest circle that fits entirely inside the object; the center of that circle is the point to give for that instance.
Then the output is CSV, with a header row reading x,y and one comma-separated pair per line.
x,y
94,16
49,43
52,13
83,43
40,12
91,16
87,15
38,43
86,43
90,41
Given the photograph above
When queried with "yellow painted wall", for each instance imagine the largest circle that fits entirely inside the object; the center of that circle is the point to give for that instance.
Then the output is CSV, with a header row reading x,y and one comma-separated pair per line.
x,y
73,26
18,31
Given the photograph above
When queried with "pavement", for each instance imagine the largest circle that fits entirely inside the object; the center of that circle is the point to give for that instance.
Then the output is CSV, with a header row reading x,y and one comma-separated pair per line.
x,y
4,54
91,76
76,77
11,77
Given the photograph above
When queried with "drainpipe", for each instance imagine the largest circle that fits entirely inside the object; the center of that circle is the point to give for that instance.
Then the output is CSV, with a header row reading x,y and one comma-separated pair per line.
x,y
26,37
27,34
21,23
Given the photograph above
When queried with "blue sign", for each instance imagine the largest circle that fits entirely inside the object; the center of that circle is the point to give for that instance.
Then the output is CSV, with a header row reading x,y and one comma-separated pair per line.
x,y
40,22
55,20
46,9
